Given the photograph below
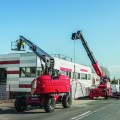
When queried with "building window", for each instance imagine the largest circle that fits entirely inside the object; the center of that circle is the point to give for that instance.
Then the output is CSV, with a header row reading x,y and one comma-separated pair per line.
x,y
28,72
63,72
66,73
69,74
83,76
33,71
78,75
22,72
88,77
39,71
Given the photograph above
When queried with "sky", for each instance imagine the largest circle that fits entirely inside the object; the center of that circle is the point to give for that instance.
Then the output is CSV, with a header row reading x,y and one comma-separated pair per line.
x,y
50,24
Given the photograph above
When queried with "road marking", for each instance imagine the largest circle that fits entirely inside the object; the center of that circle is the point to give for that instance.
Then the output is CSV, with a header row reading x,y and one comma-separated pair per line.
x,y
85,114
79,105
80,115
98,109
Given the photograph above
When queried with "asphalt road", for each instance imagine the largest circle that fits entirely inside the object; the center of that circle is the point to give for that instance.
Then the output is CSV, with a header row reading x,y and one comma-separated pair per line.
x,y
96,110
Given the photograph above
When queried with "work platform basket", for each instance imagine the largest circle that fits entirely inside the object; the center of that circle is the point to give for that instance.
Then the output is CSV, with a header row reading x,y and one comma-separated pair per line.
x,y
14,46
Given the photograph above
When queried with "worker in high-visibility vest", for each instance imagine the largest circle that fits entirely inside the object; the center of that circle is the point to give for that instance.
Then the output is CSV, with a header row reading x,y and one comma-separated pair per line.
x,y
23,44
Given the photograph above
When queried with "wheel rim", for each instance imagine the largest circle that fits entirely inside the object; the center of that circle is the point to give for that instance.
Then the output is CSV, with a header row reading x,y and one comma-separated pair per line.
x,y
52,104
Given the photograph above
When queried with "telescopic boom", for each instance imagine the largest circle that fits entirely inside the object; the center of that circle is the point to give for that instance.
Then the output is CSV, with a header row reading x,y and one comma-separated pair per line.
x,y
46,58
95,64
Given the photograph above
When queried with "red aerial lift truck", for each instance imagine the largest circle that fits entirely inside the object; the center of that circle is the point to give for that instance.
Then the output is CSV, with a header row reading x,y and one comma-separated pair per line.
x,y
104,88
47,90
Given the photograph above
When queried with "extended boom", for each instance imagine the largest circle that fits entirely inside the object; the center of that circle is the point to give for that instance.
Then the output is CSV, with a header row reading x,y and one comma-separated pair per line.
x,y
104,88
46,58
95,64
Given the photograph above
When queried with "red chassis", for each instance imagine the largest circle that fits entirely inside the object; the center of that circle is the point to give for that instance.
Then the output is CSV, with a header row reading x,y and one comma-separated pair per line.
x,y
46,93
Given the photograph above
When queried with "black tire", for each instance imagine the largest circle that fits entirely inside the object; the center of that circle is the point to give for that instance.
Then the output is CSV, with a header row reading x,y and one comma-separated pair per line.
x,y
20,104
118,98
49,104
66,101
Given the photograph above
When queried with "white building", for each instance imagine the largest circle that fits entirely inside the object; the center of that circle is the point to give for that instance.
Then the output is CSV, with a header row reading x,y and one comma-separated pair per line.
x,y
19,69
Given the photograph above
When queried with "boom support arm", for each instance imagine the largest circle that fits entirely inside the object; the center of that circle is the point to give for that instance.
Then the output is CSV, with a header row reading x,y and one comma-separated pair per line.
x,y
95,64
46,58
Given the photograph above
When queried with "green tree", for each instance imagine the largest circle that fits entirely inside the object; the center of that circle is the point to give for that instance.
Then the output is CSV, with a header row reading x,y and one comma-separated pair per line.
x,y
105,71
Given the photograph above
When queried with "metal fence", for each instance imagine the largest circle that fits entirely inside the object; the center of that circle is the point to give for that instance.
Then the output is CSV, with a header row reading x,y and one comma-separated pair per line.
x,y
64,57
4,92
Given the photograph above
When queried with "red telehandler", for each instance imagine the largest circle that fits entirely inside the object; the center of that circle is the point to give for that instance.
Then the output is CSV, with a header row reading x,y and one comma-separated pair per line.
x,y
104,88
48,89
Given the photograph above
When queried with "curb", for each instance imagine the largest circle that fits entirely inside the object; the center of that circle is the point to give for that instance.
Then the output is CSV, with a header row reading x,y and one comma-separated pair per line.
x,y
6,101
